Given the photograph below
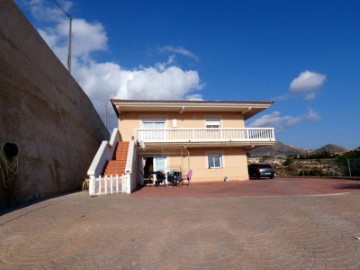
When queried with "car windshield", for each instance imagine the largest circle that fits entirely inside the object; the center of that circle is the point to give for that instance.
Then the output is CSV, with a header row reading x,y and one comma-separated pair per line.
x,y
265,166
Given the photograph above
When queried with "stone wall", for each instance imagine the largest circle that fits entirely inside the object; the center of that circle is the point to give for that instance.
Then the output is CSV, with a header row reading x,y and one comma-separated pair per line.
x,y
44,111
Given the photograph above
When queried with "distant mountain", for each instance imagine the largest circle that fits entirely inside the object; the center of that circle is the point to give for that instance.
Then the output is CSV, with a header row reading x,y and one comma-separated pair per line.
x,y
331,148
278,149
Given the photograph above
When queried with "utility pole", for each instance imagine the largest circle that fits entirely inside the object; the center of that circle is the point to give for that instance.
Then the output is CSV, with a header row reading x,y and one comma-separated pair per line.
x,y
349,167
106,110
69,37
69,44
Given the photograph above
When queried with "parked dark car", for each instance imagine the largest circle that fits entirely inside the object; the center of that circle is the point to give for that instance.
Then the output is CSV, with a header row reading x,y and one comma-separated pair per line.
x,y
258,170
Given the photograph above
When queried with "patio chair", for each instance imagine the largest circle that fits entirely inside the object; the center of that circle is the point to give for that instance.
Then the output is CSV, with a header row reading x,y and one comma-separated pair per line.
x,y
160,177
174,177
147,180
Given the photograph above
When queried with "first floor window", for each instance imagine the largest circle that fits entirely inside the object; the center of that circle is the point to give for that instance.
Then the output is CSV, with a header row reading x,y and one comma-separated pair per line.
x,y
215,160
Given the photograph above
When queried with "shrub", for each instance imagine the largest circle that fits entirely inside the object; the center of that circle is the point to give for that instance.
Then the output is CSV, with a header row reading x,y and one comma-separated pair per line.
x,y
313,172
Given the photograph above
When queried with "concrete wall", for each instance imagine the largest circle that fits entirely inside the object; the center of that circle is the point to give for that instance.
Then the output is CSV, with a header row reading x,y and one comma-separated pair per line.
x,y
44,111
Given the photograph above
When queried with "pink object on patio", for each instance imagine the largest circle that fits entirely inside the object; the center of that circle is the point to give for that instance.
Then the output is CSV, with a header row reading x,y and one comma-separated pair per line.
x,y
188,176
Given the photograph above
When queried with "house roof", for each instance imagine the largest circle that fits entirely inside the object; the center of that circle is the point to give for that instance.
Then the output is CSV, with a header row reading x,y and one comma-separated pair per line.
x,y
246,108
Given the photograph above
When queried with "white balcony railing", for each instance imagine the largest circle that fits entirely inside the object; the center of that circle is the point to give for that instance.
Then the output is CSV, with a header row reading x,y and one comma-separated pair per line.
x,y
206,135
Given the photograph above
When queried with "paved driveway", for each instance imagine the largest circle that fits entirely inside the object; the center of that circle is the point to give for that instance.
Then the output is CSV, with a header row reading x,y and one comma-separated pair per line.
x,y
142,231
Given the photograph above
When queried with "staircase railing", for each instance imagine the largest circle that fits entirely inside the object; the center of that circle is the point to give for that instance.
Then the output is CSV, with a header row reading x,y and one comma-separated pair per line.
x,y
130,169
107,185
104,153
114,184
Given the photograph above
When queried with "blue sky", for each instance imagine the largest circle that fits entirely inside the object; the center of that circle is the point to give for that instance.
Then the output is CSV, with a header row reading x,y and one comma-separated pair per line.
x,y
304,55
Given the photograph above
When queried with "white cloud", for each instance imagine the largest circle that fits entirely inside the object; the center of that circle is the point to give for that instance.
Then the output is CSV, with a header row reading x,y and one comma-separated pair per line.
x,y
197,97
310,96
276,120
312,115
43,11
282,122
50,38
178,50
170,83
86,38
162,66
104,80
306,83
281,98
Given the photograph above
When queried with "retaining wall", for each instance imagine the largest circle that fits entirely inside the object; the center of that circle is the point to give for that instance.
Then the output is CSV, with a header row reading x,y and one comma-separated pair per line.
x,y
44,111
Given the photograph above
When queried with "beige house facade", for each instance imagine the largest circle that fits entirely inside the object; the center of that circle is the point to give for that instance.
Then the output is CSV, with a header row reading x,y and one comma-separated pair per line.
x,y
207,137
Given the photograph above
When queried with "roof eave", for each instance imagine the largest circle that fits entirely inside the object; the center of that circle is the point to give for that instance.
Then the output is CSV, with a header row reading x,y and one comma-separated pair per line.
x,y
246,108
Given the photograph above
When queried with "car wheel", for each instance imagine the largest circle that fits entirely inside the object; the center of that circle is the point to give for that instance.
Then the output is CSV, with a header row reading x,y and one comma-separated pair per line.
x,y
272,177
256,176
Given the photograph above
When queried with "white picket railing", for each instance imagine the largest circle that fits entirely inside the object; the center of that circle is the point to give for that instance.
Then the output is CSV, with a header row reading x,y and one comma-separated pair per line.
x,y
206,134
107,185
104,153
131,177
126,183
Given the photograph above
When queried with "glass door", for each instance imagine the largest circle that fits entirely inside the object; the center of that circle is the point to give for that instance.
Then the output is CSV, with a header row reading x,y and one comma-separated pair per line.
x,y
160,163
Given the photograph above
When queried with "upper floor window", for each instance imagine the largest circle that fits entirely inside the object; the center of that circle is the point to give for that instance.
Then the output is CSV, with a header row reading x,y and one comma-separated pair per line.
x,y
153,123
212,122
153,129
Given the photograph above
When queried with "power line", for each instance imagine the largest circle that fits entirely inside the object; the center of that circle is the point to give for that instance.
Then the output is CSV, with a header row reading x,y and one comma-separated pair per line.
x,y
67,14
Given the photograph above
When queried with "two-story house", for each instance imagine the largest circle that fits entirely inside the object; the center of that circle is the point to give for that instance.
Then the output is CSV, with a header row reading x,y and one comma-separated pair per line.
x,y
207,137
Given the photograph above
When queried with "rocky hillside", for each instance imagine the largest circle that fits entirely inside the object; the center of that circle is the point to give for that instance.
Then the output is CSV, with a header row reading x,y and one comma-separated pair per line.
x,y
288,161
278,149
331,148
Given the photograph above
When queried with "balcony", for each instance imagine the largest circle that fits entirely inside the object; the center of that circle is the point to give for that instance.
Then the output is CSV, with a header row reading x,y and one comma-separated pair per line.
x,y
203,136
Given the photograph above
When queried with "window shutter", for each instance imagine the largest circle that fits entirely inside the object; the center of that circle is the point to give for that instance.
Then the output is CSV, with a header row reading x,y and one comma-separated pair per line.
x,y
212,122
